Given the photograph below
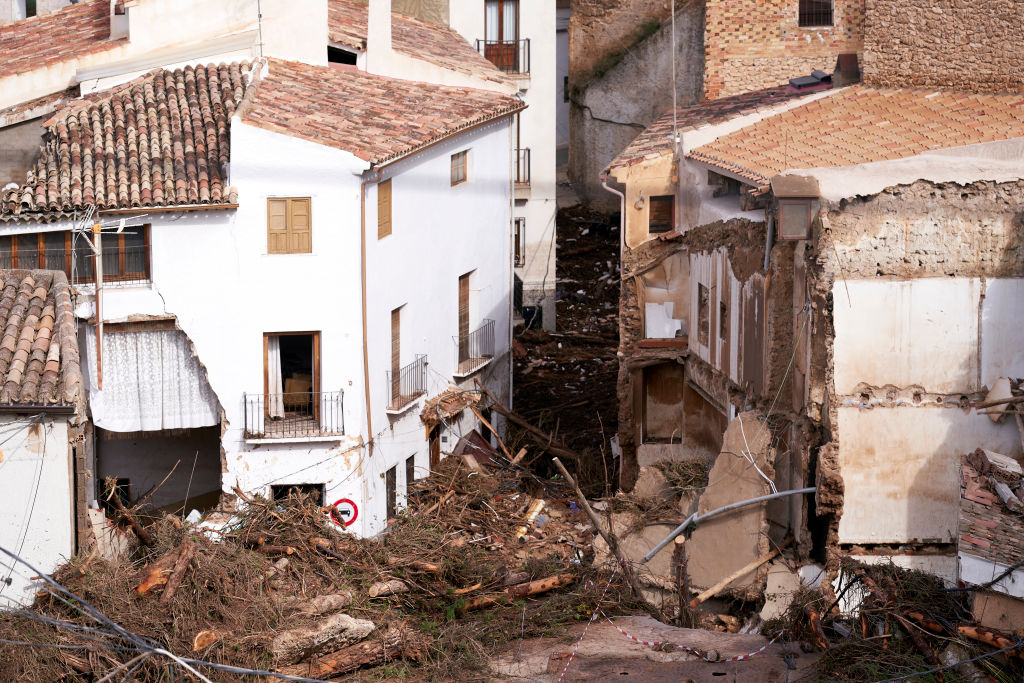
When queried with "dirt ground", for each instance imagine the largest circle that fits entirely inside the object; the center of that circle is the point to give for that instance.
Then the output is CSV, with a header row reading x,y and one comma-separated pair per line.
x,y
564,381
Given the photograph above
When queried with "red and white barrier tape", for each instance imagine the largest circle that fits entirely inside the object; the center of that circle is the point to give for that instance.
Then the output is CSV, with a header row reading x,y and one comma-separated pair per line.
x,y
593,618
692,650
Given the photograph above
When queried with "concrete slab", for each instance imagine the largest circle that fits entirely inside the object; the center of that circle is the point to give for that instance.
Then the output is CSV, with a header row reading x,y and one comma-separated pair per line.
x,y
729,542
781,585
635,541
651,483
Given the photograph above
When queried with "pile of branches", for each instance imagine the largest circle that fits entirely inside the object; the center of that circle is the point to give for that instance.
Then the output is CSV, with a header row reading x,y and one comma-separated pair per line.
x,y
907,622
469,566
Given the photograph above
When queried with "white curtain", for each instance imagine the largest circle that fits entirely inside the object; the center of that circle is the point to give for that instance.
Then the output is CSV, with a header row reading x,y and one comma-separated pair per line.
x,y
491,22
508,28
151,381
275,383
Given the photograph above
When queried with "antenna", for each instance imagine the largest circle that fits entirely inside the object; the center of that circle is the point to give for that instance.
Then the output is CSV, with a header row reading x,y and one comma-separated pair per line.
x,y
259,23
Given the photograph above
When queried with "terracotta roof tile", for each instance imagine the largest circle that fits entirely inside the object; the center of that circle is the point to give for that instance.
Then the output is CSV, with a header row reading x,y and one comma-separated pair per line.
x,y
439,45
656,140
66,34
39,362
860,124
159,140
375,118
988,529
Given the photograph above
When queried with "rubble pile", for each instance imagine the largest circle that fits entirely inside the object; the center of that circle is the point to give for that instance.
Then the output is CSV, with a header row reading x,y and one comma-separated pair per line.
x,y
886,622
481,558
565,381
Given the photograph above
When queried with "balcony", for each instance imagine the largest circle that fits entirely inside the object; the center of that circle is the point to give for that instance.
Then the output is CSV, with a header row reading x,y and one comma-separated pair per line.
x,y
474,350
511,56
303,415
407,385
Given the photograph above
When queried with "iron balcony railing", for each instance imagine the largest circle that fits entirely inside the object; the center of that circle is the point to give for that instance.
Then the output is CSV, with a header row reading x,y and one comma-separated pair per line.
x,y
474,349
523,166
408,384
300,414
511,56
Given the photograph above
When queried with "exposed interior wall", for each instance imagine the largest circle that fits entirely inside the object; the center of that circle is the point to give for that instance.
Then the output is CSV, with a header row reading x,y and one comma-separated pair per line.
x,y
19,147
944,43
755,44
36,486
145,458
624,92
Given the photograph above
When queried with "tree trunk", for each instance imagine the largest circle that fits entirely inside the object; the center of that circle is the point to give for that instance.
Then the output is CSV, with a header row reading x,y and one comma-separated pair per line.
x,y
396,642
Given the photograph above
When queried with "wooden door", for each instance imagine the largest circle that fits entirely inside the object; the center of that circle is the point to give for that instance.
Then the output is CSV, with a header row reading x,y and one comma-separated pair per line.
x,y
396,354
464,318
435,447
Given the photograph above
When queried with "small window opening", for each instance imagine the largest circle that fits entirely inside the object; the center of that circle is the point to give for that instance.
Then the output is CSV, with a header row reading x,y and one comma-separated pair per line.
x,y
795,219
30,8
661,217
338,56
815,13
315,492
703,315
723,320
520,243
458,168
391,492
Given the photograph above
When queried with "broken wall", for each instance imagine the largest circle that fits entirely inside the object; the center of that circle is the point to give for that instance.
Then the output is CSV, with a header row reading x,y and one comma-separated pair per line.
x,y
755,44
921,290
944,43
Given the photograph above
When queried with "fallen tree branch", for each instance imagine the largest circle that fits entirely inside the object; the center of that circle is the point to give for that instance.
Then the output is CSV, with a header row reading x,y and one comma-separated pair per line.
x,y
820,641
541,438
144,536
521,590
397,641
178,573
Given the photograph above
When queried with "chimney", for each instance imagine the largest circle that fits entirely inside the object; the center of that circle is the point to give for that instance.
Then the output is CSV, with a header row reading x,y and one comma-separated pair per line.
x,y
378,38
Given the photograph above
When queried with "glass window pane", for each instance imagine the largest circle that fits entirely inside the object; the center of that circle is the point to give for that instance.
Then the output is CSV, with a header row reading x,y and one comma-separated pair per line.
x,y
28,251
83,260
135,255
54,250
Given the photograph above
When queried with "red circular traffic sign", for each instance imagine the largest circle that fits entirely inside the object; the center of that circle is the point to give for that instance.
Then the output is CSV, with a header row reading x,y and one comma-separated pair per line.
x,y
347,509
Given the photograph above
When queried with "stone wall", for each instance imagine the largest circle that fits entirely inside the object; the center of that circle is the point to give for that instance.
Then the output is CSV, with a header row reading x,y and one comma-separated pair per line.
x,y
599,28
607,111
755,44
945,43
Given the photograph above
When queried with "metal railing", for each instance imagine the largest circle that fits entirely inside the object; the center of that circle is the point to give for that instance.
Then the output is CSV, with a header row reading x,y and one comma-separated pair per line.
x,y
511,56
300,414
121,266
474,349
408,384
522,166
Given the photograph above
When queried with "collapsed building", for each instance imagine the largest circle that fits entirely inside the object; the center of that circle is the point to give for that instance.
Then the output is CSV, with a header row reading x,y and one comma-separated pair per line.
x,y
847,265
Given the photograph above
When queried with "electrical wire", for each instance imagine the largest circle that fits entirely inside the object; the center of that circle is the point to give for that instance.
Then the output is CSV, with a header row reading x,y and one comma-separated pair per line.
x,y
919,674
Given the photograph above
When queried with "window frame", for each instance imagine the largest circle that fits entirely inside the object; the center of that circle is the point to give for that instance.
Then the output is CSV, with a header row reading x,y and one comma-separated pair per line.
x,y
519,241
804,9
459,168
652,228
289,231
807,203
123,275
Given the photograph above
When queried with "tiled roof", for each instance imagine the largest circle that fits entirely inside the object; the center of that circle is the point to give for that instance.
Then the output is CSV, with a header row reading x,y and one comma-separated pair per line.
x,y
160,140
656,140
71,32
988,529
373,117
39,362
860,124
439,45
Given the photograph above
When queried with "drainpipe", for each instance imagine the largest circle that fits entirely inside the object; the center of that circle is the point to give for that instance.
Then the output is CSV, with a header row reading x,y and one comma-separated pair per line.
x,y
769,237
362,272
622,215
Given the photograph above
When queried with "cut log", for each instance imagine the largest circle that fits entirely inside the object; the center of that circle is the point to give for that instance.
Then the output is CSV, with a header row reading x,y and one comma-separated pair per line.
x,y
519,456
276,549
386,588
322,604
337,630
421,565
276,568
521,590
157,572
205,639
188,550
396,642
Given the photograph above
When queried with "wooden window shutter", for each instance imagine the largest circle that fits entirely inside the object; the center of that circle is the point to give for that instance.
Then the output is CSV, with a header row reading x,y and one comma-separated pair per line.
x,y
464,317
277,226
396,353
300,240
384,209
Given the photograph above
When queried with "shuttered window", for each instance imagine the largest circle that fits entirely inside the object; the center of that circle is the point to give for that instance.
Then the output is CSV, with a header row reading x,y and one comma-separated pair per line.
x,y
464,317
289,229
458,168
396,353
384,209
662,214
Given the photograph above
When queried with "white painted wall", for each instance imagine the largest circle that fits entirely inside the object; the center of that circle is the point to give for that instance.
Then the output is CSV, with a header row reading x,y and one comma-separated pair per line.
x,y
37,493
941,338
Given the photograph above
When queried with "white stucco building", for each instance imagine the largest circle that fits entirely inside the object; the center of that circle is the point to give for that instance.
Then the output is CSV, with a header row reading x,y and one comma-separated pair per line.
x,y
309,253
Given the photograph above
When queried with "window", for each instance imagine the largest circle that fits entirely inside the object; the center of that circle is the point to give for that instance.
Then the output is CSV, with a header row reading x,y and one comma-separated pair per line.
x,y
795,219
815,13
661,215
519,245
458,168
30,8
288,228
410,472
338,56
125,255
501,34
723,320
396,355
291,374
391,492
703,315
384,208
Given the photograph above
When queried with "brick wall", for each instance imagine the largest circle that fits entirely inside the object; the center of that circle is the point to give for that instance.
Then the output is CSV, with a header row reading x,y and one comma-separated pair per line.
x,y
946,43
755,44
